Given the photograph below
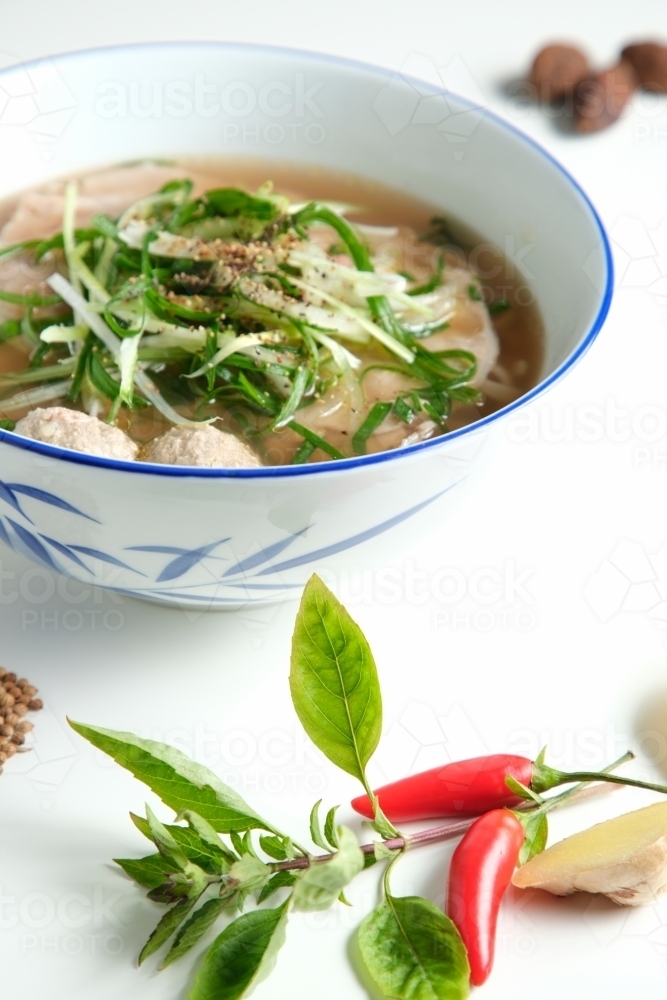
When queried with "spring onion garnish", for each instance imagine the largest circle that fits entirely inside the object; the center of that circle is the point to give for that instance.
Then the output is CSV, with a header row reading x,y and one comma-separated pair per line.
x,y
227,304
113,345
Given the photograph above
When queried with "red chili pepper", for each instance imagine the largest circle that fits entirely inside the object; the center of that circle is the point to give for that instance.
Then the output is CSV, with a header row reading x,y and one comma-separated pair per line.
x,y
480,872
463,788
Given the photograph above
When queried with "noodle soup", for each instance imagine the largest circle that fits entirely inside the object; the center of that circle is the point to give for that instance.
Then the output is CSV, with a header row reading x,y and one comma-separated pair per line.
x,y
196,314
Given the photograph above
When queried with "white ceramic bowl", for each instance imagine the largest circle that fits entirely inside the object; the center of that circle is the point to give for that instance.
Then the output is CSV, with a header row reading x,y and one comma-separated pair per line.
x,y
216,538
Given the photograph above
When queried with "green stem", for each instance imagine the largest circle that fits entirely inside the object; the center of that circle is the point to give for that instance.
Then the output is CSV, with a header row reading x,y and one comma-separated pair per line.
x,y
386,875
545,778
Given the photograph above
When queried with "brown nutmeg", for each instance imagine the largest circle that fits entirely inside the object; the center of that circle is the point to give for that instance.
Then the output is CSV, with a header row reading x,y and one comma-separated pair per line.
x,y
18,739
15,691
6,730
12,718
35,704
6,700
9,679
24,726
649,61
20,710
556,71
601,98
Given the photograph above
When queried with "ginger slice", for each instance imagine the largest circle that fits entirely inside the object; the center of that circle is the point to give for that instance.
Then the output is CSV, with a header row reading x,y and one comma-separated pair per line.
x,y
624,858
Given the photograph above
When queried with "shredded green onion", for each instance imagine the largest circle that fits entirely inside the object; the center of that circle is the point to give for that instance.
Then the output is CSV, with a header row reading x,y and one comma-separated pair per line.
x,y
224,300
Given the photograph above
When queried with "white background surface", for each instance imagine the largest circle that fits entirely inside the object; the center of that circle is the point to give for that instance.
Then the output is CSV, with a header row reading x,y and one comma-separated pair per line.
x,y
568,656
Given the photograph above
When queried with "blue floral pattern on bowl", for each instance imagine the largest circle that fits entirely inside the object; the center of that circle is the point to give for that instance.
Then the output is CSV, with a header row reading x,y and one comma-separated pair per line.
x,y
161,565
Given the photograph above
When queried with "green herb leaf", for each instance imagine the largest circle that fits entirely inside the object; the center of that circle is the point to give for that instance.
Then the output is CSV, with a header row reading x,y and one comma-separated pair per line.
x,y
164,841
382,852
316,834
280,880
206,833
238,843
169,923
7,425
242,845
251,874
413,951
194,929
334,682
149,872
208,857
537,834
274,847
180,782
243,955
330,831
233,202
380,823
321,884
104,226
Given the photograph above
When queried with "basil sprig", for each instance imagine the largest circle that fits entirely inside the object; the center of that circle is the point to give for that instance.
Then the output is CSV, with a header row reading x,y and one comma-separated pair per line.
x,y
219,852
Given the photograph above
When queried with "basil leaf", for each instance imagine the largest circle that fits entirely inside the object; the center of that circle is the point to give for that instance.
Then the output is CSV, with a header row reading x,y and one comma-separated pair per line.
x,y
194,929
180,782
208,857
206,833
413,951
149,872
316,834
251,874
380,822
274,847
170,922
321,884
330,828
381,852
278,881
334,681
165,843
537,834
243,955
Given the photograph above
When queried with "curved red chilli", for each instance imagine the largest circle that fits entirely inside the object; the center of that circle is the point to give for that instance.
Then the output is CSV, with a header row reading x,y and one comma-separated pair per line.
x,y
479,874
463,788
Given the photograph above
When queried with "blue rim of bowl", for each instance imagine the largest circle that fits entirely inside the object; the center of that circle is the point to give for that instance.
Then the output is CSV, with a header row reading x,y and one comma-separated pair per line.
x,y
339,465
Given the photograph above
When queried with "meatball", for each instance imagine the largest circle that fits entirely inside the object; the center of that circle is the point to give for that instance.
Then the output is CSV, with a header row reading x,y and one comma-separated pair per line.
x,y
203,446
70,429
